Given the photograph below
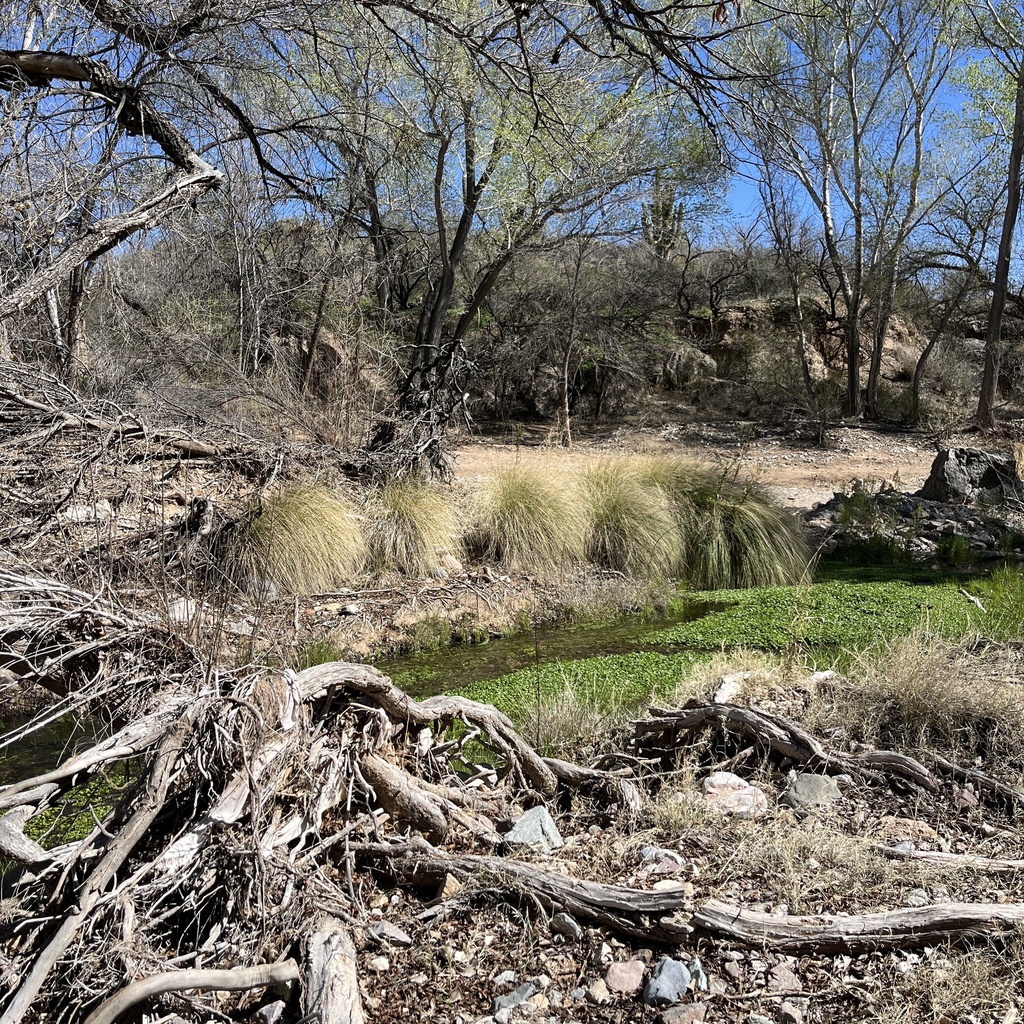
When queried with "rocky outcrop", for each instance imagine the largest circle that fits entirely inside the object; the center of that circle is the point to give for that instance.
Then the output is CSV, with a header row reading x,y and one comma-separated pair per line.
x,y
960,475
923,528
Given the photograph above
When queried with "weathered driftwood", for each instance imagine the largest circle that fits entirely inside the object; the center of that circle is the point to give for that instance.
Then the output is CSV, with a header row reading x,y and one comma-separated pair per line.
x,y
235,979
117,851
662,734
907,928
664,917
295,770
959,861
657,916
331,982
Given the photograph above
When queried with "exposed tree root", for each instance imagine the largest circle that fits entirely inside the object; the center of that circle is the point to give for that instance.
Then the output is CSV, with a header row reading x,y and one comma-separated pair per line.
x,y
662,736
259,796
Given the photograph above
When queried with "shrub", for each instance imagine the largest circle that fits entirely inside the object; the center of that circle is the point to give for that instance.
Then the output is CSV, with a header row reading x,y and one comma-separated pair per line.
x,y
411,526
631,527
920,690
528,518
304,540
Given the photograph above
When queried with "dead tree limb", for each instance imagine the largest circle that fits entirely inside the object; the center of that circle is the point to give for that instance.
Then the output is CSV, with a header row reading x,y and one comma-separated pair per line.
x,y
134,115
959,861
118,850
663,917
661,734
908,928
523,760
331,984
234,980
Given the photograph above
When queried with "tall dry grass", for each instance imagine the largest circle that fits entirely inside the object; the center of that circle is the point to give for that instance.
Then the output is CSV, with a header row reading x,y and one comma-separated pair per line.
x,y
631,526
923,691
529,518
411,526
732,533
304,540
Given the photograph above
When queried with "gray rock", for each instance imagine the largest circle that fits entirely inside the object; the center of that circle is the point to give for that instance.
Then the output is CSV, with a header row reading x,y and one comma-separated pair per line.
x,y
649,853
918,898
669,982
563,924
968,474
598,994
790,1013
384,933
700,979
514,998
504,979
268,1013
807,791
537,830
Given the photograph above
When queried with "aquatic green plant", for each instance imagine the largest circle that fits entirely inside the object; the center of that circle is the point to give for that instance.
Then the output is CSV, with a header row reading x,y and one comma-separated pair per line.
x,y
833,614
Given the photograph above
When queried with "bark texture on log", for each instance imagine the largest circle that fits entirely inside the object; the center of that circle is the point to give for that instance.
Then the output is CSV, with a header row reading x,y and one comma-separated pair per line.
x,y
331,983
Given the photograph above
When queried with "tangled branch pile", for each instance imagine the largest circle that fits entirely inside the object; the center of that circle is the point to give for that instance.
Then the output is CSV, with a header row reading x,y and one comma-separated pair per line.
x,y
232,863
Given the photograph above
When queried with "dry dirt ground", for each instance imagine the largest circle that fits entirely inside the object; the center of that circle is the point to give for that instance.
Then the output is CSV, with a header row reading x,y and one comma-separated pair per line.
x,y
799,472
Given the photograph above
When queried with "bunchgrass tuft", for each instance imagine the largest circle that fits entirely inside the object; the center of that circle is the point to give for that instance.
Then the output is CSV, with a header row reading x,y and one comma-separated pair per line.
x,y
411,527
304,540
732,533
529,519
632,528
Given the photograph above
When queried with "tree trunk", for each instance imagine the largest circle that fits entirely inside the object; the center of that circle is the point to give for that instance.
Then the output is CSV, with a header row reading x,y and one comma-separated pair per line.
x,y
985,416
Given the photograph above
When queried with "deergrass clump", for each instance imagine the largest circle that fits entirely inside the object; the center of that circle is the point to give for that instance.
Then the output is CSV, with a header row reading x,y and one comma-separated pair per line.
x,y
529,519
632,528
731,532
411,526
304,540
761,543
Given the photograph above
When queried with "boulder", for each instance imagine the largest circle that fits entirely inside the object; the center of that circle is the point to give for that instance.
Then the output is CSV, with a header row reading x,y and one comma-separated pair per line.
x,y
969,474
733,795
536,829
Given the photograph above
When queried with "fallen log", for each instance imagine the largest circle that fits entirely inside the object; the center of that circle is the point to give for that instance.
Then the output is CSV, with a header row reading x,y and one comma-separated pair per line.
x,y
663,917
905,928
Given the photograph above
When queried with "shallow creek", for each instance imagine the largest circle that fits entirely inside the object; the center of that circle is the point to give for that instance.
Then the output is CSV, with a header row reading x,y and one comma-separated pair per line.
x,y
454,668
449,669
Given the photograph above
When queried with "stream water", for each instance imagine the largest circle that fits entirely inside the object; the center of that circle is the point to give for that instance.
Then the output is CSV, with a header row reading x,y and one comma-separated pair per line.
x,y
423,674
454,668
